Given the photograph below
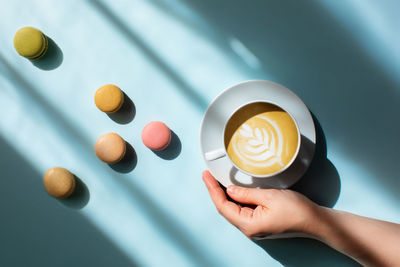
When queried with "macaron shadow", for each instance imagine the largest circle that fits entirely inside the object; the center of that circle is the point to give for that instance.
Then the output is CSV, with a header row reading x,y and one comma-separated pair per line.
x,y
128,162
126,113
52,59
79,198
173,150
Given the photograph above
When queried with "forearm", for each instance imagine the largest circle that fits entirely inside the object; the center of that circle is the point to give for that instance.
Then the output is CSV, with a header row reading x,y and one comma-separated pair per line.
x,y
371,242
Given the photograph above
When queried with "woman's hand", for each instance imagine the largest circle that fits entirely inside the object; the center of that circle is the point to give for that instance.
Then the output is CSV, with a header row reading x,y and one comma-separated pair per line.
x,y
369,241
277,211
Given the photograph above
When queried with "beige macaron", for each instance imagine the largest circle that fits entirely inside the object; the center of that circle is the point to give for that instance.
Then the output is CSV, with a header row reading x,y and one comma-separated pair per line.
x,y
59,182
110,148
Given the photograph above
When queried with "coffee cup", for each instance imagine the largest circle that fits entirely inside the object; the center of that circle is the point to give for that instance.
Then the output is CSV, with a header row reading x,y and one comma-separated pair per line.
x,y
260,138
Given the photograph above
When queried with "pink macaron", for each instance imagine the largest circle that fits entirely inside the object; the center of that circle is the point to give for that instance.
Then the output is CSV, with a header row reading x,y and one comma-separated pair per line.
x,y
156,135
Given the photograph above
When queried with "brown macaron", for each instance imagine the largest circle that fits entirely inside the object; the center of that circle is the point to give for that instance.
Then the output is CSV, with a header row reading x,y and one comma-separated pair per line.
x,y
59,182
110,148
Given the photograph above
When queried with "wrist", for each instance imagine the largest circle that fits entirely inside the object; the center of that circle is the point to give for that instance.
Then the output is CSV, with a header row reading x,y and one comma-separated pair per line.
x,y
318,224
315,220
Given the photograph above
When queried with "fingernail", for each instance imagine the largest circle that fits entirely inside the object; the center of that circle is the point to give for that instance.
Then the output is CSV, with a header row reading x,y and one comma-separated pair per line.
x,y
232,189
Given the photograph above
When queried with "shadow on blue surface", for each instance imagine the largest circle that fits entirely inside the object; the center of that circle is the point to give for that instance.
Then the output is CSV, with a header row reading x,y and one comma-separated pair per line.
x,y
171,228
133,37
128,162
52,59
173,150
304,252
163,222
79,198
321,182
126,113
38,231
341,84
302,46
196,23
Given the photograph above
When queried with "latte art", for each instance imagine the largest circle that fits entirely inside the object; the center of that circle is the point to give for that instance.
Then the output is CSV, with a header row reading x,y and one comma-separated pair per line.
x,y
265,142
260,147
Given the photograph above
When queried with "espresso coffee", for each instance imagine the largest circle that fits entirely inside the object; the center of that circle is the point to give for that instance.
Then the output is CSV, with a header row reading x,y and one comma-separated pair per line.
x,y
261,138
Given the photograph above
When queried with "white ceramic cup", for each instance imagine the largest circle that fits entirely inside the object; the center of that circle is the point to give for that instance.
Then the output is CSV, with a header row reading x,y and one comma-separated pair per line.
x,y
221,152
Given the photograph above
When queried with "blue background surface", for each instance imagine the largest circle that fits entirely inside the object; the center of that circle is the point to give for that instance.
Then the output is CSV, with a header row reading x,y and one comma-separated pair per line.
x,y
171,58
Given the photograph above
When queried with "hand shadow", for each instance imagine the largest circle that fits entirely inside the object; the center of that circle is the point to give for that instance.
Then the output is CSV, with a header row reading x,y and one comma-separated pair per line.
x,y
52,59
173,150
126,113
321,183
304,252
128,162
79,198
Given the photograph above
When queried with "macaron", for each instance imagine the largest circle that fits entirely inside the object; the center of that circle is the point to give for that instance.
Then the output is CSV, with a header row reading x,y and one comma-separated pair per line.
x,y
156,135
109,98
59,182
110,148
30,43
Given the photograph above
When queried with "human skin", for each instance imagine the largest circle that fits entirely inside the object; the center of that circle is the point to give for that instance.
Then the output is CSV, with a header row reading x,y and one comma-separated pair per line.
x,y
369,241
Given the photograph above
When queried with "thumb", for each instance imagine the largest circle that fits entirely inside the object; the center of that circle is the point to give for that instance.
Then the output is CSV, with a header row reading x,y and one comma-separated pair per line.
x,y
245,195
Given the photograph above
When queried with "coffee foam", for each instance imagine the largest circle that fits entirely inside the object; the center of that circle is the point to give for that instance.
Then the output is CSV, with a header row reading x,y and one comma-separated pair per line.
x,y
262,140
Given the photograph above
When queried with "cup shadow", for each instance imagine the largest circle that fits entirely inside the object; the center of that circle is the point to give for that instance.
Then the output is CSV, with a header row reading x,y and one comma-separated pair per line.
x,y
173,150
321,182
126,113
128,162
79,198
52,59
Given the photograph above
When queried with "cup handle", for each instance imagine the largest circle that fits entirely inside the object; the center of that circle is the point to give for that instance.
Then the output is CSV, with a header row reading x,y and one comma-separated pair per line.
x,y
215,154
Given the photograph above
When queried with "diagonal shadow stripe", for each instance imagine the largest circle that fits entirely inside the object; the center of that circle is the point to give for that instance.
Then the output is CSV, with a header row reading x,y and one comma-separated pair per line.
x,y
134,38
53,234
162,221
301,45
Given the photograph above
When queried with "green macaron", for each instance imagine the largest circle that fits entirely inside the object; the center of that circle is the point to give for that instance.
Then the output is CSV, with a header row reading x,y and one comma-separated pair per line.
x,y
30,43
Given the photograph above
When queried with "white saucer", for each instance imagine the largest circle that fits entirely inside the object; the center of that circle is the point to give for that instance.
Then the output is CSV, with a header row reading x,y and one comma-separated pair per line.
x,y
226,103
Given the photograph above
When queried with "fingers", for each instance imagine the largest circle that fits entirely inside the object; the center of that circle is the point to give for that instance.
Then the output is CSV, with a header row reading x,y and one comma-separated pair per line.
x,y
226,208
244,195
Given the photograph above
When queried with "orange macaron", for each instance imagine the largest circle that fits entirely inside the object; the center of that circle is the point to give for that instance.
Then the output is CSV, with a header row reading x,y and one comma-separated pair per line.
x,y
109,98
